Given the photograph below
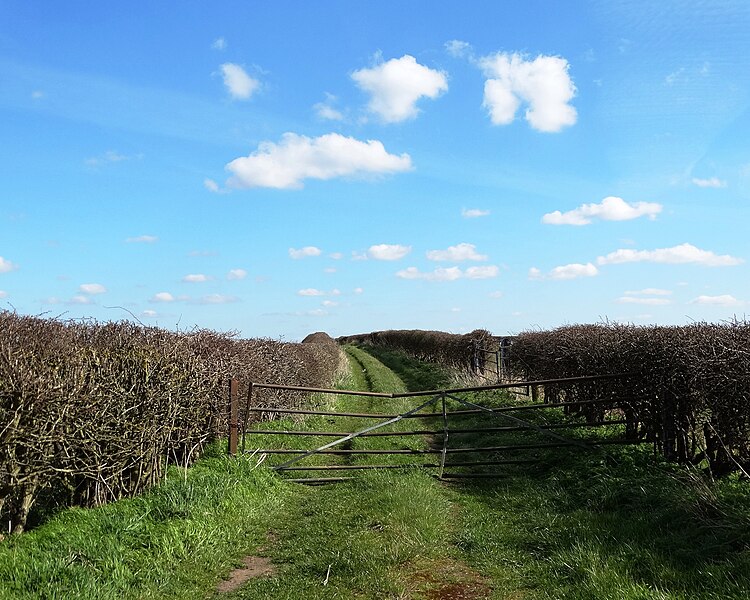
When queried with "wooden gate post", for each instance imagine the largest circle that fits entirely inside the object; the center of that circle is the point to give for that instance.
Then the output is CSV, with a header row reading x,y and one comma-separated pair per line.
x,y
233,415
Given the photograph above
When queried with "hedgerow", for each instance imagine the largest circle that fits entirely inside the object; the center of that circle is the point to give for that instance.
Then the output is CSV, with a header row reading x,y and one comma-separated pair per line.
x,y
448,349
93,412
687,389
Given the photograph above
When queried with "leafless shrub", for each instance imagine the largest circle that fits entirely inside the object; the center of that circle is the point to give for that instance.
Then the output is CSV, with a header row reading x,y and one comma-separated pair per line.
x,y
688,388
96,412
452,350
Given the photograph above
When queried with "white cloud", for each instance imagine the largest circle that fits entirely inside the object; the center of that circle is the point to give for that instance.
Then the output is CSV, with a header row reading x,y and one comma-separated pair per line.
x,y
75,300
325,109
297,157
6,265
611,208
649,292
388,251
711,182
682,254
92,288
496,294
458,48
3,294
196,278
485,272
395,87
723,300
329,270
238,83
329,303
563,272
675,76
473,213
335,292
644,301
211,185
439,274
359,291
110,156
543,83
218,299
162,297
219,44
457,253
142,239
149,314
336,255
311,292
236,274
305,252
37,95
450,273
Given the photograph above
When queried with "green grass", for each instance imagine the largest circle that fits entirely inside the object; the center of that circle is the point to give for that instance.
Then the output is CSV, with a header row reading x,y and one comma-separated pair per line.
x,y
574,525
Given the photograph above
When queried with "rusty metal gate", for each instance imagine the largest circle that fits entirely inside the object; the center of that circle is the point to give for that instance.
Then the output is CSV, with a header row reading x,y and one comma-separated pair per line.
x,y
445,439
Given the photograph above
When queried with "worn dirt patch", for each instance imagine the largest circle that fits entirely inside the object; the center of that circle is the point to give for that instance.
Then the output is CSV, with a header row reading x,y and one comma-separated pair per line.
x,y
447,579
253,566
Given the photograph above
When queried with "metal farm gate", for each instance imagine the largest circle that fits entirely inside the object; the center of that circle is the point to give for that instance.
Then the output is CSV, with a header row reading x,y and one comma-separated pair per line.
x,y
455,428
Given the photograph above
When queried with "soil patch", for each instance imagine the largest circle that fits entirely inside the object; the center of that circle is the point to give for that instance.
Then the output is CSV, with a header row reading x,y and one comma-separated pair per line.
x,y
253,566
447,579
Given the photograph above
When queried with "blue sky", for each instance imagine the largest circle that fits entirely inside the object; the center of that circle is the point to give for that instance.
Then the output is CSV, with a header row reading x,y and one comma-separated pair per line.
x,y
288,167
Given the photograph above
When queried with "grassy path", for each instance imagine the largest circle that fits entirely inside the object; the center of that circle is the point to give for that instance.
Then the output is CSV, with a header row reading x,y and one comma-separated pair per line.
x,y
571,526
574,526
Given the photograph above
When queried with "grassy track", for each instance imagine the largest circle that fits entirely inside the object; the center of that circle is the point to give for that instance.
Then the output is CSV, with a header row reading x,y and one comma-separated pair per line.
x,y
572,526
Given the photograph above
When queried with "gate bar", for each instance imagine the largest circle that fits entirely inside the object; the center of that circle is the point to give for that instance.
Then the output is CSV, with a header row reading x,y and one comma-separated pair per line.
x,y
435,431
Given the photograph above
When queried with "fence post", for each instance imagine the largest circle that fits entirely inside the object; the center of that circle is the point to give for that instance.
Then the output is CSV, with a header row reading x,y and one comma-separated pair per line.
x,y
233,415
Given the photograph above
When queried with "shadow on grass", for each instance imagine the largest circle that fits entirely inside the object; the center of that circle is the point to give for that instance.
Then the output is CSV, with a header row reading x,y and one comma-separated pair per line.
x,y
618,528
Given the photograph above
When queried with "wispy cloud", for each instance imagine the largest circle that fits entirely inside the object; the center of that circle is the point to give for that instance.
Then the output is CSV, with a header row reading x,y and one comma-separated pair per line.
x,y
682,254
473,213
388,251
219,44
711,182
450,273
611,208
305,252
7,266
397,85
644,301
563,272
649,292
543,83
325,110
236,274
163,297
196,278
218,299
238,83
458,48
458,253
110,156
723,300
311,292
92,288
142,239
297,157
